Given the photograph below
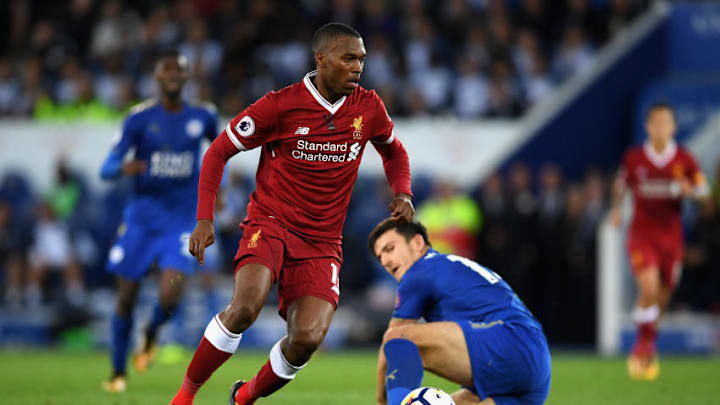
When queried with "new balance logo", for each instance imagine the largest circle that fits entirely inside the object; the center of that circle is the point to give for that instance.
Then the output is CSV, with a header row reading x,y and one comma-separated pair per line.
x,y
302,131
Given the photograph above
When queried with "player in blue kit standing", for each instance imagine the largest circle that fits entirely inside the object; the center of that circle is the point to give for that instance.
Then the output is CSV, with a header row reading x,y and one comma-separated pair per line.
x,y
166,135
478,333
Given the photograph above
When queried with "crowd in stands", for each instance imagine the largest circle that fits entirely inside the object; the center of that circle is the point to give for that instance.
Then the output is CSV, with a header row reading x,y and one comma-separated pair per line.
x,y
92,59
536,229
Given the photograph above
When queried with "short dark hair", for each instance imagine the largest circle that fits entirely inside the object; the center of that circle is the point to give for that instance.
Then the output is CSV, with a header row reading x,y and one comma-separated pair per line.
x,y
171,53
406,229
332,31
660,105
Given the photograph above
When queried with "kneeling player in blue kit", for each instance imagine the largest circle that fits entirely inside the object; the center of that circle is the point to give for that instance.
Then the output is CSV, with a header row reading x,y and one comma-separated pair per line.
x,y
478,333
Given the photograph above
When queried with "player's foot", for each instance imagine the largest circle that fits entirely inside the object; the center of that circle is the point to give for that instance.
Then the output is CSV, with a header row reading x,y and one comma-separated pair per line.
x,y
143,359
115,384
644,368
144,354
233,391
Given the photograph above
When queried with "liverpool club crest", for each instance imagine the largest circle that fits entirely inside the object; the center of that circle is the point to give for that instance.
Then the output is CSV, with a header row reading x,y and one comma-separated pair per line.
x,y
358,125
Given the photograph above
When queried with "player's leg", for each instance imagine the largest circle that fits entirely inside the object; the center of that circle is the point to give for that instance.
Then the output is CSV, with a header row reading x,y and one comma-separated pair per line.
x,y
645,315
122,325
439,347
308,322
466,397
223,333
172,284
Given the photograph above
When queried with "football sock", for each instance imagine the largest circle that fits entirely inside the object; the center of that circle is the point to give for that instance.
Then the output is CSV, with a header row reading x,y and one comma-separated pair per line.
x,y
160,315
404,369
216,346
121,328
646,321
276,372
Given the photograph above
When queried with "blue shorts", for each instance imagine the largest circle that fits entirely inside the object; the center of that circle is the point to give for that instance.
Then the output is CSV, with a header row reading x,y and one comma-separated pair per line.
x,y
510,362
137,248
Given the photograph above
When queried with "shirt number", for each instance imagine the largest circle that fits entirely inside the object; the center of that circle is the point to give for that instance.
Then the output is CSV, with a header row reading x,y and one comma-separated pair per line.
x,y
488,275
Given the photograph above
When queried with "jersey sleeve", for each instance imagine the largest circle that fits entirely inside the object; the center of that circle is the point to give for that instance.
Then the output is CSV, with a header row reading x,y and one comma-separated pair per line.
x,y
126,139
382,132
414,296
695,175
256,125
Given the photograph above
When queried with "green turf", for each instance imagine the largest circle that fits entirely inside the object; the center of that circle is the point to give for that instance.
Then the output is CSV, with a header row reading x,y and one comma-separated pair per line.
x,y
55,378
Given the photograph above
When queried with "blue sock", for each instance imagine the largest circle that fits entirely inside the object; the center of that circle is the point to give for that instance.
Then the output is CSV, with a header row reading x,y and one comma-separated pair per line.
x,y
160,315
121,328
404,369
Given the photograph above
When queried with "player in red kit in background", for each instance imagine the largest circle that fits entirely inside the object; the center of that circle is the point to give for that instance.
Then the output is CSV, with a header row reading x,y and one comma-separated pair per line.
x,y
312,134
660,174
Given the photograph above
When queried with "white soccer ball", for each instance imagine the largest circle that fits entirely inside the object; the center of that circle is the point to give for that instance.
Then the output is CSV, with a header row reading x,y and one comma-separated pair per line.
x,y
427,396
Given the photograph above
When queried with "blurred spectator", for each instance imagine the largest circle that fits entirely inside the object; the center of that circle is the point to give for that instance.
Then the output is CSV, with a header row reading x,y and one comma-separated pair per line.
x,y
10,89
471,91
504,95
240,51
119,29
13,248
452,219
52,251
574,55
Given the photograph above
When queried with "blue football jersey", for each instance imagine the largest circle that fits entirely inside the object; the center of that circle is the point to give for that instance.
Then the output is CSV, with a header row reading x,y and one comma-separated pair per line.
x,y
170,143
442,287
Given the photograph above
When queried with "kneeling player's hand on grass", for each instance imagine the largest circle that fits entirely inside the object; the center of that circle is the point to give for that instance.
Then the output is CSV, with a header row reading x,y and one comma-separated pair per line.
x,y
202,236
401,208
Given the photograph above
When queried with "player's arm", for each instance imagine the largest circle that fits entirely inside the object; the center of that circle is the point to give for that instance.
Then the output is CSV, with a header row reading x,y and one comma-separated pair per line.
x,y
382,362
619,190
395,163
694,184
115,165
251,128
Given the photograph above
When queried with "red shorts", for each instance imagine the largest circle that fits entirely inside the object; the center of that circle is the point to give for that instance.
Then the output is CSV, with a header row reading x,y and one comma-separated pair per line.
x,y
300,267
666,255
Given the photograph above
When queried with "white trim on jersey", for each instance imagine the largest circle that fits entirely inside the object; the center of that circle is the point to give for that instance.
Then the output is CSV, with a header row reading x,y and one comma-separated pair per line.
x,y
234,139
660,159
390,139
332,108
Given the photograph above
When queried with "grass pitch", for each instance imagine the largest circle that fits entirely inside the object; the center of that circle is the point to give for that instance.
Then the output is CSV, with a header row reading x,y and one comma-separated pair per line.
x,y
347,378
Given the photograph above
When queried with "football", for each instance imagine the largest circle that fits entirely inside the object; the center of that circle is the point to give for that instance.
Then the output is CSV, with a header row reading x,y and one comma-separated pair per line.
x,y
427,396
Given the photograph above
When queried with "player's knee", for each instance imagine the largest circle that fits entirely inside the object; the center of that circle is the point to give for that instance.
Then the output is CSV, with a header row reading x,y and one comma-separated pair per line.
x,y
399,332
125,304
306,339
239,316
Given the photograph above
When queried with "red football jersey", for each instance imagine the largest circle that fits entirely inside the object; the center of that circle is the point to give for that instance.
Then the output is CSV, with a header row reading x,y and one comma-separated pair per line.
x,y
311,151
655,180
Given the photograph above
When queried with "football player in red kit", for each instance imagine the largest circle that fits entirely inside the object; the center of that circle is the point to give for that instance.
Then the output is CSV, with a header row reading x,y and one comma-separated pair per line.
x,y
660,174
313,135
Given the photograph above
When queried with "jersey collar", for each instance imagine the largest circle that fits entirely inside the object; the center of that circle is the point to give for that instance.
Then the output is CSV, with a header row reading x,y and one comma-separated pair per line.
x,y
332,108
663,158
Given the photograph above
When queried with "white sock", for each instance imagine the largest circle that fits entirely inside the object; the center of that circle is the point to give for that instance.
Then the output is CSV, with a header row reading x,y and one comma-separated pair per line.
x,y
645,315
280,366
220,337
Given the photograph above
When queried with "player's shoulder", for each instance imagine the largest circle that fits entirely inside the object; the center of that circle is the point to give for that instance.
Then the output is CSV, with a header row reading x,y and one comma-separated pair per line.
x,y
205,107
363,95
684,153
143,107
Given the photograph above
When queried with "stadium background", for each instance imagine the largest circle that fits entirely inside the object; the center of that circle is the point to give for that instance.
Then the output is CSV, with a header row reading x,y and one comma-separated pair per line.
x,y
515,115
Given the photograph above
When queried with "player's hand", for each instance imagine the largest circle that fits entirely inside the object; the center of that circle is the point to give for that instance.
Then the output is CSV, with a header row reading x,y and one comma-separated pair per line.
x,y
401,208
615,217
202,236
686,188
134,167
